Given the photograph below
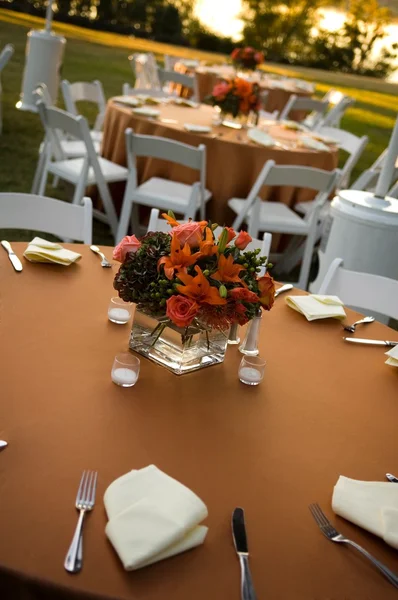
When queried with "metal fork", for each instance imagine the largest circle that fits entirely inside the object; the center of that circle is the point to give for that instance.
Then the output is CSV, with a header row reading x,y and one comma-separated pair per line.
x,y
85,500
332,534
352,327
104,261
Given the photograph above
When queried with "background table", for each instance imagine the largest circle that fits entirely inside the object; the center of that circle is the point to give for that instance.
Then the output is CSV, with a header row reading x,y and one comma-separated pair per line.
x,y
233,162
325,408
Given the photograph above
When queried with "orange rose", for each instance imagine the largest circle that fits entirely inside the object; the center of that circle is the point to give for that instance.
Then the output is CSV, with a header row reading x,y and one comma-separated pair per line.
x,y
181,310
190,233
231,234
266,294
128,244
243,240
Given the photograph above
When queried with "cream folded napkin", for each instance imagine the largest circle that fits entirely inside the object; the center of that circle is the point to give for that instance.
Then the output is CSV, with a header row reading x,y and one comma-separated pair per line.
x,y
372,505
316,306
392,357
42,251
151,517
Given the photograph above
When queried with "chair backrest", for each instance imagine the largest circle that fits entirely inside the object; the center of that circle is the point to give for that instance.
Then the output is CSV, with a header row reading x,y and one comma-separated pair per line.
x,y
131,91
334,116
319,107
65,220
362,290
188,81
296,176
5,55
170,62
145,70
84,91
41,92
333,96
350,143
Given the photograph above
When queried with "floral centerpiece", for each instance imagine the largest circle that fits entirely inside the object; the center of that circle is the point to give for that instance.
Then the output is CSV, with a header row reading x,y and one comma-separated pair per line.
x,y
235,97
190,288
247,58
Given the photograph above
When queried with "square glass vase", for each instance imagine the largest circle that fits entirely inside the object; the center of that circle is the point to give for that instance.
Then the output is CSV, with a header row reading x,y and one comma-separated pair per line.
x,y
178,349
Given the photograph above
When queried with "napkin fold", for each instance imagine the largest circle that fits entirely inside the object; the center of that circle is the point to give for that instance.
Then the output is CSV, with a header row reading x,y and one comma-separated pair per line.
x,y
392,357
317,306
42,251
372,505
151,517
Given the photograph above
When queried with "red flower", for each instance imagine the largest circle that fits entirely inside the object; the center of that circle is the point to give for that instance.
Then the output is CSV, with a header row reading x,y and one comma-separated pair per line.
x,y
243,240
266,286
181,310
243,294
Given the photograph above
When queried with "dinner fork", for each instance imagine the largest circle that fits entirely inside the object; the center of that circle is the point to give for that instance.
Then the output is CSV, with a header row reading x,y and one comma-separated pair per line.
x,y
85,500
352,327
104,262
332,534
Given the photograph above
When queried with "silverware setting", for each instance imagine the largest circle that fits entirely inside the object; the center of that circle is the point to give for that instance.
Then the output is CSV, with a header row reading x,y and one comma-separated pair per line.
x,y
104,261
284,288
352,327
370,342
334,536
85,500
240,541
392,478
16,263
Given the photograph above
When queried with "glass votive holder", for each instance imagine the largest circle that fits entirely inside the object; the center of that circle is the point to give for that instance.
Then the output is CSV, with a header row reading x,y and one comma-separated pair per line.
x,y
119,311
251,370
125,370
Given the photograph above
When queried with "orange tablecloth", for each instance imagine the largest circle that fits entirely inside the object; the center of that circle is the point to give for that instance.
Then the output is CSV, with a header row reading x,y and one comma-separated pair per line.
x,y
233,162
325,408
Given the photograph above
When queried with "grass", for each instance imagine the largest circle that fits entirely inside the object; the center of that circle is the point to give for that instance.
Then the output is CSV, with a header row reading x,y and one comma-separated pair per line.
x,y
97,55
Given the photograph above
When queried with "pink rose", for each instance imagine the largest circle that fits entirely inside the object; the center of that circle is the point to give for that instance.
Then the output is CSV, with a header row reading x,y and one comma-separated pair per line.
x,y
220,90
190,233
181,310
243,240
128,244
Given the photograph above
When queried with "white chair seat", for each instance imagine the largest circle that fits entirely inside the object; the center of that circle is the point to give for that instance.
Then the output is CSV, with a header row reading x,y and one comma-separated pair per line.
x,y
275,217
71,170
165,193
96,136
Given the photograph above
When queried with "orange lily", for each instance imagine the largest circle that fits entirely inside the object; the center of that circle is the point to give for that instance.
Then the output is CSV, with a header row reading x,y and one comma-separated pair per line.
x,y
171,221
207,246
199,289
228,271
179,259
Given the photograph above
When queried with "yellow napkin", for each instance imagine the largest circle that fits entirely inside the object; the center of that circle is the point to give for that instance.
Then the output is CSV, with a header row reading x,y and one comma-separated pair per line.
x,y
392,357
372,505
40,250
151,517
316,306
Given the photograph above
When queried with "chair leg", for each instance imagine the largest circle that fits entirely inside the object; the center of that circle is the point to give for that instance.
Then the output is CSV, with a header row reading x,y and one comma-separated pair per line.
x,y
79,191
38,173
125,215
55,182
43,181
108,205
307,259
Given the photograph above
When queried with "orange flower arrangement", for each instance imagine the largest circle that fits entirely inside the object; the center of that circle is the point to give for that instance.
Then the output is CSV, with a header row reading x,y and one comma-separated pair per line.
x,y
192,278
247,58
235,96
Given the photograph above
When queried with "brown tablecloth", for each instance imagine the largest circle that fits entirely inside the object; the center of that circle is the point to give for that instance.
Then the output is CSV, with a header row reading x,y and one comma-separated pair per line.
x,y
233,162
325,408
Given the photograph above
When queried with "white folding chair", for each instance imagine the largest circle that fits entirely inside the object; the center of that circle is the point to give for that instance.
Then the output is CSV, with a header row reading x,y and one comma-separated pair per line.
x,y
158,192
80,172
145,70
361,290
5,56
276,217
84,91
187,81
131,91
335,114
29,211
316,107
353,146
157,223
170,62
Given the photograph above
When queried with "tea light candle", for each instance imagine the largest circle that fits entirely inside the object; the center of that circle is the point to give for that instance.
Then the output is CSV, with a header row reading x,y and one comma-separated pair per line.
x,y
124,377
250,376
121,316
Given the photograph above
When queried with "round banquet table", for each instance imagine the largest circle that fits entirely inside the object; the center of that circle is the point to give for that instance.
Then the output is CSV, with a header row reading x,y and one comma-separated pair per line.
x,y
325,408
233,161
279,91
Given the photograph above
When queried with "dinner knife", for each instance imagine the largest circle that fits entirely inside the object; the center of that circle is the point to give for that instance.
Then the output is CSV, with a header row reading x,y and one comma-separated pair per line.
x,y
392,478
240,541
284,288
370,342
3,444
16,263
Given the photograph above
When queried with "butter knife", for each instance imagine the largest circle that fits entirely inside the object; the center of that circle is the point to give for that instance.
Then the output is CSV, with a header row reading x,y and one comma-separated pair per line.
x,y
392,478
284,288
370,342
16,263
240,541
3,444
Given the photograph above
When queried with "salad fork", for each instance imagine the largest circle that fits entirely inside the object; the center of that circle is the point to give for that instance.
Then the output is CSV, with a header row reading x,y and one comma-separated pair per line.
x,y
334,536
85,500
104,261
351,328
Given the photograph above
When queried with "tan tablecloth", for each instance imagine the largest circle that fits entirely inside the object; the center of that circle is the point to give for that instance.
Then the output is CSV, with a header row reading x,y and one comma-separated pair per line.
x,y
233,163
325,408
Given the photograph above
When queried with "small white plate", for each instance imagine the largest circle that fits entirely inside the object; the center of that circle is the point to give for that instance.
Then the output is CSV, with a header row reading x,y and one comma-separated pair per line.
x,y
197,128
146,112
260,137
309,142
293,125
128,100
185,102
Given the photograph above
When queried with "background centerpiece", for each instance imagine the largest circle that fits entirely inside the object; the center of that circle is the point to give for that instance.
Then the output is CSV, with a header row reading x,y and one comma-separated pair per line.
x,y
236,98
189,288
247,58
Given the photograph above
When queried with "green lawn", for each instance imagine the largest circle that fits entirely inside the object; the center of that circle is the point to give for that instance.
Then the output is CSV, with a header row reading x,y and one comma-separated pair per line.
x,y
105,58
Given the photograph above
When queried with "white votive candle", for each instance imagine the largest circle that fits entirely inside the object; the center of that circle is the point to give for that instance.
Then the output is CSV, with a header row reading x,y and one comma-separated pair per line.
x,y
250,376
121,316
124,377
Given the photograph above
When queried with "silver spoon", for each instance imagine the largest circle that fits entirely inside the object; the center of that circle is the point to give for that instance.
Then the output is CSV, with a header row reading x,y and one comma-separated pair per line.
x,y
352,327
3,444
284,288
104,262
